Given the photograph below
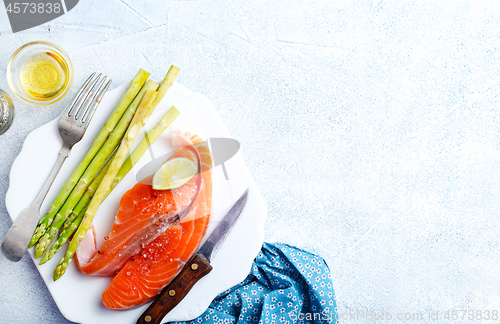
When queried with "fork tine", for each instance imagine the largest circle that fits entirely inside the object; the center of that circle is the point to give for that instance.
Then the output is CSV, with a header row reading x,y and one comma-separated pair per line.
x,y
88,99
85,101
96,99
69,108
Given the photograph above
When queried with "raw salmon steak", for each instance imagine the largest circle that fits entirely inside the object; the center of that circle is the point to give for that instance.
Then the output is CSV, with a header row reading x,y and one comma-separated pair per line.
x,y
146,248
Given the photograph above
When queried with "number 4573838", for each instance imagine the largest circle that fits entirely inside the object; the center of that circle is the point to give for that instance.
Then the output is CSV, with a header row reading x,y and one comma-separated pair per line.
x,y
27,7
473,315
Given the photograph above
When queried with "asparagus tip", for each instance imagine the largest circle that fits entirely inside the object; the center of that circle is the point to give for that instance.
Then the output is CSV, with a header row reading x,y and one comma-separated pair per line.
x,y
43,260
60,270
39,231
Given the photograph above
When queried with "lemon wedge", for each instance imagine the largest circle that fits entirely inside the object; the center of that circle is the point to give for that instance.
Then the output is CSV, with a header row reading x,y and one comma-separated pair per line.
x,y
174,173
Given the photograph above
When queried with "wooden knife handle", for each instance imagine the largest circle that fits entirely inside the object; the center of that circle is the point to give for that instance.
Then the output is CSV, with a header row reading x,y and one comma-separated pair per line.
x,y
195,269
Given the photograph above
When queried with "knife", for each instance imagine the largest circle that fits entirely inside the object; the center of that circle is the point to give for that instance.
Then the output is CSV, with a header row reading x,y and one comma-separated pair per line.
x,y
197,267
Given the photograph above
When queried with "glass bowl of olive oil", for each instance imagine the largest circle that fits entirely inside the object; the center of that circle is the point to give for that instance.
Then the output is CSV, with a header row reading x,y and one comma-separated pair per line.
x,y
40,73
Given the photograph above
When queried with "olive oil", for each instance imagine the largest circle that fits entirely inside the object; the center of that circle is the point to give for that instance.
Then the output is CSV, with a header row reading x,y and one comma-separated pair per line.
x,y
44,75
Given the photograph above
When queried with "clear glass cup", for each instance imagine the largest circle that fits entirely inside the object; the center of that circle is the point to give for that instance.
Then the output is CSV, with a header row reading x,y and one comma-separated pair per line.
x,y
6,111
24,57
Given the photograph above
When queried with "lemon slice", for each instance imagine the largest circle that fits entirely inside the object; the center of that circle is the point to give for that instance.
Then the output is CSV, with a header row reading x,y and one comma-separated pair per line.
x,y
174,173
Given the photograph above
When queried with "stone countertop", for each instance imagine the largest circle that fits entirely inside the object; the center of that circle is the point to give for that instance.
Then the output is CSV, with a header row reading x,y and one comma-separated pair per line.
x,y
370,127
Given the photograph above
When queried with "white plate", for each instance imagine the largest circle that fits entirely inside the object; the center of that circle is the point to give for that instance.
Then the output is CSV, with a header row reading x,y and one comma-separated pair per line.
x,y
79,296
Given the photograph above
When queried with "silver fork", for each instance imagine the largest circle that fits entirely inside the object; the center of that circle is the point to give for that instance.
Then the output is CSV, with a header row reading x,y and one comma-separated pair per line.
x,y
72,125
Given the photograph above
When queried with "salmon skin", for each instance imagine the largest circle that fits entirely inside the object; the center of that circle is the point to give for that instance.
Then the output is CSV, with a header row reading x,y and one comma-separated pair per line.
x,y
146,248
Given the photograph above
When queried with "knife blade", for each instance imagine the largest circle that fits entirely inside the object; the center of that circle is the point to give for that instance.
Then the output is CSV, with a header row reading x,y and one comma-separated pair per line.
x,y
195,269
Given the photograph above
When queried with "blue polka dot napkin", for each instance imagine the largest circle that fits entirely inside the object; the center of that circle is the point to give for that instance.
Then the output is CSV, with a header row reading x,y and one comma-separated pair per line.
x,y
285,285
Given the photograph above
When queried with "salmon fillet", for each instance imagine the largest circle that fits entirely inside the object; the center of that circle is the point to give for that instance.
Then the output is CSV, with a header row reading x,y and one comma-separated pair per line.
x,y
144,214
143,274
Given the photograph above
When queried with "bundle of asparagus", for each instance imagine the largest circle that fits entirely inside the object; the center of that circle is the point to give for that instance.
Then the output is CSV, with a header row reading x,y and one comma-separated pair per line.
x,y
103,167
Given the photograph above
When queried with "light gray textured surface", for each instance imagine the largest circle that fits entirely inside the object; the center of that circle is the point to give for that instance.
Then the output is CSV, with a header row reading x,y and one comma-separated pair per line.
x,y
370,127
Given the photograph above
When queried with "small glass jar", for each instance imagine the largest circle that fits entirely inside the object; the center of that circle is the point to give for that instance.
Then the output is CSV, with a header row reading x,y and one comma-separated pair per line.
x,y
6,111
47,60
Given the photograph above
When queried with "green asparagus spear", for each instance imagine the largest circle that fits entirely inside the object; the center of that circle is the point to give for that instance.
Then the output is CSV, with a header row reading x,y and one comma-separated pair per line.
x,y
76,216
140,118
134,87
149,139
51,232
84,201
78,211
100,158
63,238
164,86
87,196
